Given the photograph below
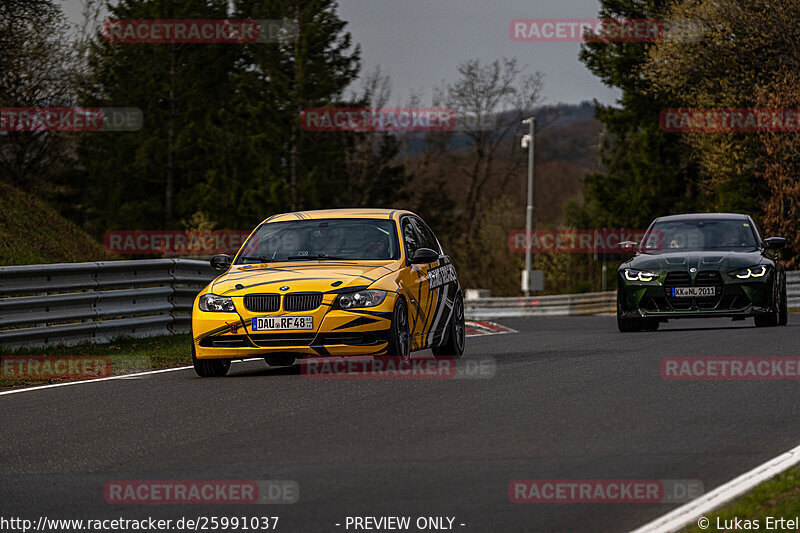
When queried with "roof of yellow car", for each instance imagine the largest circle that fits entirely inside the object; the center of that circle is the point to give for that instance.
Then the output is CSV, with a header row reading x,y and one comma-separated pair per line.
x,y
338,213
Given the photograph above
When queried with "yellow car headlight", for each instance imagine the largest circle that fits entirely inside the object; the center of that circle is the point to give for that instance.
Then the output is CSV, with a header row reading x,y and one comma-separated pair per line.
x,y
216,304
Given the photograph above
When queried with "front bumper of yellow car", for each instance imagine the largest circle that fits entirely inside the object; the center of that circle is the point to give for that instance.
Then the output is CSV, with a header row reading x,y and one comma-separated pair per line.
x,y
334,332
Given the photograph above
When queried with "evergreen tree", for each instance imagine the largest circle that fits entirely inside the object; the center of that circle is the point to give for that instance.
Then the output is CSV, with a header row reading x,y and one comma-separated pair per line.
x,y
648,172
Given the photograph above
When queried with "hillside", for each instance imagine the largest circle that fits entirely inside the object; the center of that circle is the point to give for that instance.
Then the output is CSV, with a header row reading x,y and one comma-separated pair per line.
x,y
32,232
567,147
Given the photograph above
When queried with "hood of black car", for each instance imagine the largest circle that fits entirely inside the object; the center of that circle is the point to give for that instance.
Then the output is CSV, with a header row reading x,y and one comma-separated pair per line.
x,y
701,260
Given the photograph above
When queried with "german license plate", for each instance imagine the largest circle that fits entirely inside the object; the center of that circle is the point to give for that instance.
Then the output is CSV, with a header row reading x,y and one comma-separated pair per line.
x,y
693,292
276,323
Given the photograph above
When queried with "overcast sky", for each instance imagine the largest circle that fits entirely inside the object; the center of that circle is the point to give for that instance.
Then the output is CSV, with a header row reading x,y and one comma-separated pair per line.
x,y
419,43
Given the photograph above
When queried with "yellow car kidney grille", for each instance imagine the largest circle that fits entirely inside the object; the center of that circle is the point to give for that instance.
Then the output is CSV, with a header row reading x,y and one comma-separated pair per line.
x,y
302,301
262,303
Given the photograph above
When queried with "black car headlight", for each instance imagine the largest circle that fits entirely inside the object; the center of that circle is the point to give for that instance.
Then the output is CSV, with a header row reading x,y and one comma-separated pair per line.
x,y
216,304
640,275
758,271
365,298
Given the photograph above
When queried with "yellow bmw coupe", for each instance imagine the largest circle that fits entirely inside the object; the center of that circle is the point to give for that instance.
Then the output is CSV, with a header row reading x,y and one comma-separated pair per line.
x,y
340,282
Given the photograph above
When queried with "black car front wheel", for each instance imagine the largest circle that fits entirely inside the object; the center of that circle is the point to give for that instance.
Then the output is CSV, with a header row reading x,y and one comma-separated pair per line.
x,y
626,325
774,318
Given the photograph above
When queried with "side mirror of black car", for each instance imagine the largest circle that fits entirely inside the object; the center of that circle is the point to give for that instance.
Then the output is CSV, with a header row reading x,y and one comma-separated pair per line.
x,y
628,246
221,262
773,243
424,256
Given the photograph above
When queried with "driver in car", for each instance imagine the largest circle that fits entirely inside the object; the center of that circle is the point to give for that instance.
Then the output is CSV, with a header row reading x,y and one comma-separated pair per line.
x,y
375,246
327,241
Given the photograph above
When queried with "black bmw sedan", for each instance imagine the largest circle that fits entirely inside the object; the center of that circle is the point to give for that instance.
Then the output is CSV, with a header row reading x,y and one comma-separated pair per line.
x,y
701,265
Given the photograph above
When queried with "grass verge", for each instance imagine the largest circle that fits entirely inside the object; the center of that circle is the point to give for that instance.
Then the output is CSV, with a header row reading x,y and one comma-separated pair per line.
x,y
126,355
777,498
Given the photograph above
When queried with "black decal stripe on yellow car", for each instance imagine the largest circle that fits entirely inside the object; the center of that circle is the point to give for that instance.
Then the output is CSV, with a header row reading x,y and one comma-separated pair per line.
x,y
244,274
360,321
441,301
356,276
214,331
274,282
347,289
388,315
450,306
320,349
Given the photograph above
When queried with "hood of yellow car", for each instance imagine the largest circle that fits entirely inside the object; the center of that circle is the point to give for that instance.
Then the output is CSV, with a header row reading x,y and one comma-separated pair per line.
x,y
317,276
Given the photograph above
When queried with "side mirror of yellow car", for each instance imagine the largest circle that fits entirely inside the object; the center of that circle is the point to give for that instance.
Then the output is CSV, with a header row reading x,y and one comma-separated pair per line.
x,y
221,262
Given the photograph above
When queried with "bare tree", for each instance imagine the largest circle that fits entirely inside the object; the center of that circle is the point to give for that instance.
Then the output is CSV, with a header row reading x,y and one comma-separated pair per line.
x,y
38,62
489,101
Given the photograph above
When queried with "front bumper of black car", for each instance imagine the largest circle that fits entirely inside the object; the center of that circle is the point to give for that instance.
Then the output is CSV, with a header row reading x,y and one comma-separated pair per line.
x,y
733,297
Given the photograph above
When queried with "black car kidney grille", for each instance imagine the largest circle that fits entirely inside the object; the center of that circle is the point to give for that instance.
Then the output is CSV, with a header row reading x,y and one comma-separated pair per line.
x,y
302,301
262,303
678,279
709,278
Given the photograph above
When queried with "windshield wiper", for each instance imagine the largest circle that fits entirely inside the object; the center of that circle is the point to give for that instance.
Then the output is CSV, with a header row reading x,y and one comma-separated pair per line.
x,y
259,258
316,256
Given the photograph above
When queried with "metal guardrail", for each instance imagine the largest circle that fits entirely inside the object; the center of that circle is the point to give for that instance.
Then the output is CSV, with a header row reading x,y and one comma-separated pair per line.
x,y
69,303
595,303
793,289
592,303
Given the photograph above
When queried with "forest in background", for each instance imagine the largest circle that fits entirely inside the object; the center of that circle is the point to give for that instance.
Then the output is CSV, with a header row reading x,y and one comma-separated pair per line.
x,y
222,146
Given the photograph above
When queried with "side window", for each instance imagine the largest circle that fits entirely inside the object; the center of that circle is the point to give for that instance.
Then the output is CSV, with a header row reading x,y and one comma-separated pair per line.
x,y
410,238
427,238
759,235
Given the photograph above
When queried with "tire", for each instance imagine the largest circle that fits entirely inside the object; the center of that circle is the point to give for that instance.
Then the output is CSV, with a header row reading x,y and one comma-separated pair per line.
x,y
650,324
210,368
399,334
783,310
455,332
766,321
770,320
626,325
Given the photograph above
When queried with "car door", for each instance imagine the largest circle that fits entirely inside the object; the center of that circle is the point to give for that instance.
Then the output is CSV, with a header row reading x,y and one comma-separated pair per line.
x,y
442,286
413,283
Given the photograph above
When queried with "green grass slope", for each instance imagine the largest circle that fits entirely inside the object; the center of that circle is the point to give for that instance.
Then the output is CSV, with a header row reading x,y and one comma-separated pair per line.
x,y
32,232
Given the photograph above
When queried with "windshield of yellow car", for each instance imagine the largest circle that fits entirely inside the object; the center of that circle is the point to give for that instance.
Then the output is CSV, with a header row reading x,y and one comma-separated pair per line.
x,y
322,239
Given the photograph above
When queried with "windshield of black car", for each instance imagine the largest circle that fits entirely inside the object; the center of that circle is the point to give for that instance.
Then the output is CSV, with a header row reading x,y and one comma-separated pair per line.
x,y
699,234
321,239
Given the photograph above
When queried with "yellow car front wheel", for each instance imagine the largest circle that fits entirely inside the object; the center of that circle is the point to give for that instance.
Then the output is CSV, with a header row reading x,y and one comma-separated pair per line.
x,y
210,368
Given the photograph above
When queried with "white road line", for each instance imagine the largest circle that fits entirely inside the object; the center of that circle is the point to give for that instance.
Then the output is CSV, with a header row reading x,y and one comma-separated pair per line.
x,y
692,511
68,383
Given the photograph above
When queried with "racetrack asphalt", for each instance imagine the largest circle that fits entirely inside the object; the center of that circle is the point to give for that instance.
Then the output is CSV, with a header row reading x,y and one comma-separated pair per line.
x,y
571,399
